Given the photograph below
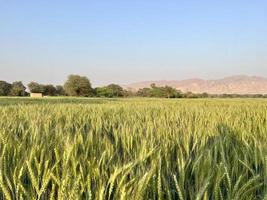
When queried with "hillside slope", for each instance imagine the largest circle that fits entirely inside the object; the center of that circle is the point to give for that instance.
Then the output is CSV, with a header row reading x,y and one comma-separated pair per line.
x,y
230,85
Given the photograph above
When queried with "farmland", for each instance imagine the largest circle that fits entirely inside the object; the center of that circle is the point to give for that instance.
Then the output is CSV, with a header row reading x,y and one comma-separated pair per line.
x,y
82,148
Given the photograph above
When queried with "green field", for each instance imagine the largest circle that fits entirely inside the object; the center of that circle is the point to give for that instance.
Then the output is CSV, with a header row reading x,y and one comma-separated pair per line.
x,y
82,148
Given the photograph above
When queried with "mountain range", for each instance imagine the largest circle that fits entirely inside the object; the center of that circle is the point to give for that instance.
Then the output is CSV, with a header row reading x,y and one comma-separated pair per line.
x,y
239,84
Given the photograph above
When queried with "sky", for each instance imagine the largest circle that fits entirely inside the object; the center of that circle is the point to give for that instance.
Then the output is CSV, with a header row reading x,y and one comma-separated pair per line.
x,y
126,41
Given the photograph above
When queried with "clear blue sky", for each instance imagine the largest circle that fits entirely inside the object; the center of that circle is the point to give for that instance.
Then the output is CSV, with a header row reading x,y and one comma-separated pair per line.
x,y
125,41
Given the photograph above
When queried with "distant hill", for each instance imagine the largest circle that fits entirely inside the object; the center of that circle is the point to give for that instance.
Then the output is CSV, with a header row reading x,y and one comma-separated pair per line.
x,y
231,85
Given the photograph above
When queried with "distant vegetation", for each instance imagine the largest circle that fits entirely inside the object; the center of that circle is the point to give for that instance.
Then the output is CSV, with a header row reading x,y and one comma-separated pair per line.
x,y
80,86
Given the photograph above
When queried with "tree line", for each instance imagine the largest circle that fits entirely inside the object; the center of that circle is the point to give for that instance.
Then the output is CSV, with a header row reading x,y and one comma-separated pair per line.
x,y
74,86
81,86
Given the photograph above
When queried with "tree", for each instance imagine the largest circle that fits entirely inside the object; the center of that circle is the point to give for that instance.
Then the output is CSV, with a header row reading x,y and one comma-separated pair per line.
x,y
78,86
190,95
144,92
18,89
102,92
110,91
157,91
49,90
116,90
60,90
203,95
153,85
171,92
4,88
161,92
35,87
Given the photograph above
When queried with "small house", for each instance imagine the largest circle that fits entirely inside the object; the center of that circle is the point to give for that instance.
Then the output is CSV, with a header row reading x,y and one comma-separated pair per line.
x,y
36,95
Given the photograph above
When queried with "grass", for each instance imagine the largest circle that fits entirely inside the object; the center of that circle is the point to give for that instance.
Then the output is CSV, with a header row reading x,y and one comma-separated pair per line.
x,y
72,148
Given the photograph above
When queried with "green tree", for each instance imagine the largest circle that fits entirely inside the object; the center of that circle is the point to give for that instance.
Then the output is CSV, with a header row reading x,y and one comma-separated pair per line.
x,y
49,90
78,86
161,92
116,90
110,91
102,92
171,92
144,92
157,91
60,90
35,87
18,89
4,88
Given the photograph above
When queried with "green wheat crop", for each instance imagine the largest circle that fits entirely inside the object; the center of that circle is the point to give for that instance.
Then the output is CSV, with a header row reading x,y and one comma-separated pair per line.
x,y
133,149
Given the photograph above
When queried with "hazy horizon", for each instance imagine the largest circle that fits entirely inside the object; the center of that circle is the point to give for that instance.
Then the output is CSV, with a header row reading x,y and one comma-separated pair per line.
x,y
125,42
95,84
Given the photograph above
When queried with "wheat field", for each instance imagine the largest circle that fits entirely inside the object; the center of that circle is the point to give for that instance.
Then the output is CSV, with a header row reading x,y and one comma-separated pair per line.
x,y
133,149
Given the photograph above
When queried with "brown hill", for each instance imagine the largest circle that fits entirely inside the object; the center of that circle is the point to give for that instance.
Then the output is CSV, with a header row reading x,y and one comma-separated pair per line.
x,y
229,85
